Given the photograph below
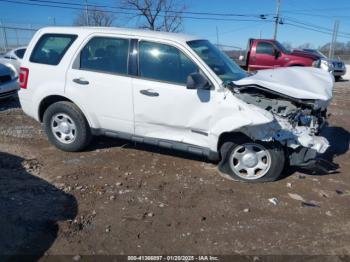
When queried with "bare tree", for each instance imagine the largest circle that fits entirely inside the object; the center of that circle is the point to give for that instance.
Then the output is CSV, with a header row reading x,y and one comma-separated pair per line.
x,y
287,45
158,15
306,46
95,17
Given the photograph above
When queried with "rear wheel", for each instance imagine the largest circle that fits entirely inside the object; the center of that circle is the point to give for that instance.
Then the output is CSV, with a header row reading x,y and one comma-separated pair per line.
x,y
66,127
252,161
337,78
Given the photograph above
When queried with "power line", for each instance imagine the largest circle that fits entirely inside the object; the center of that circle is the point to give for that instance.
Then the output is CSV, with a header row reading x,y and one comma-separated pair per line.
x,y
128,13
319,9
199,15
135,9
317,15
311,29
313,25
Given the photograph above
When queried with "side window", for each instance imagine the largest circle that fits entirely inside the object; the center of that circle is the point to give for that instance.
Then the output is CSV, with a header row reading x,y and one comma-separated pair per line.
x,y
105,54
51,48
265,48
164,63
20,52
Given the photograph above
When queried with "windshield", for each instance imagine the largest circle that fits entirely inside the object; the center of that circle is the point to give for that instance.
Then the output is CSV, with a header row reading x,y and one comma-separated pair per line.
x,y
220,63
283,48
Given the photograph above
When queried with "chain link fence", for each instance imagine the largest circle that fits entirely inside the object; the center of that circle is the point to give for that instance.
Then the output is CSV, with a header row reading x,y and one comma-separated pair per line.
x,y
343,57
12,36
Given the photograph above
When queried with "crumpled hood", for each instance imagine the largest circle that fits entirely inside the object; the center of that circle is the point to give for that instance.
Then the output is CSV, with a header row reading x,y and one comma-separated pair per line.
x,y
296,82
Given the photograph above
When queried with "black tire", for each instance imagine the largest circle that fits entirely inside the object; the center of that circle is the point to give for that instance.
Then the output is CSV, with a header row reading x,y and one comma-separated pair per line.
x,y
274,149
82,133
337,78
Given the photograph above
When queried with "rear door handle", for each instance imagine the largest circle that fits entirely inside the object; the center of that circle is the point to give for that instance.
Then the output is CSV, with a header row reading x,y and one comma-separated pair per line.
x,y
149,92
80,81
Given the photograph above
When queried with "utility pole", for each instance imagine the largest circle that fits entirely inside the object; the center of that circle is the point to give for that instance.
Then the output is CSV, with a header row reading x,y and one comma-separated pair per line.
x,y
87,13
217,36
3,29
277,18
52,19
334,39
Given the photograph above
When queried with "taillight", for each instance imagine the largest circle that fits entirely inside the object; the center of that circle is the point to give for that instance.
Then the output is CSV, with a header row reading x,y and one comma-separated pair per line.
x,y
23,77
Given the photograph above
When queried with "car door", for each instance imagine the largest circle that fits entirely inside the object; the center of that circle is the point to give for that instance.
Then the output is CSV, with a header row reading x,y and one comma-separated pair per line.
x,y
164,108
98,81
264,56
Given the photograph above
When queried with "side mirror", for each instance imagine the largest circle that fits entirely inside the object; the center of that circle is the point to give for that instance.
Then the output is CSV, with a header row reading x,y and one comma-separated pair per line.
x,y
197,81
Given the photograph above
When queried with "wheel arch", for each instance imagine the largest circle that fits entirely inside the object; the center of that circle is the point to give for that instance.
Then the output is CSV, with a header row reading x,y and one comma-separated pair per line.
x,y
47,101
230,136
51,99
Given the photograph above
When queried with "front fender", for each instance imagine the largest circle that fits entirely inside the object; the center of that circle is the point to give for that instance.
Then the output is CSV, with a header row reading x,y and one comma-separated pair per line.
x,y
245,116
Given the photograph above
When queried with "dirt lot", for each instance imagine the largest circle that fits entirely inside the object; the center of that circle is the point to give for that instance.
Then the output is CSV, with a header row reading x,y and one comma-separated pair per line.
x,y
122,198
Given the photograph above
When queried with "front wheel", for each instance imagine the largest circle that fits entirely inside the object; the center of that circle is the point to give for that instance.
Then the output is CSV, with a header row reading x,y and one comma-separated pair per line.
x,y
66,127
252,161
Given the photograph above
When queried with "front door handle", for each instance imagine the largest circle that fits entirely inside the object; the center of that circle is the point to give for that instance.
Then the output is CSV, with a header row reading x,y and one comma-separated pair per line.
x,y
149,92
80,81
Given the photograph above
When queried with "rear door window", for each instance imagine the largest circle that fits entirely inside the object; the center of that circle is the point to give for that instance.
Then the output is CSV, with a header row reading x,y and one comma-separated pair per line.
x,y
105,54
51,48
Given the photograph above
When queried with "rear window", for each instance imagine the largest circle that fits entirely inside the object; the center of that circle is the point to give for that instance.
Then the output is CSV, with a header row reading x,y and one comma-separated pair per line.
x,y
51,48
20,52
265,48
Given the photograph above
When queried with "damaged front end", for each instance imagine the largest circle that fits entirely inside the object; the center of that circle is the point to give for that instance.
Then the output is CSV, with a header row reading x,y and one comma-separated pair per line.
x,y
296,125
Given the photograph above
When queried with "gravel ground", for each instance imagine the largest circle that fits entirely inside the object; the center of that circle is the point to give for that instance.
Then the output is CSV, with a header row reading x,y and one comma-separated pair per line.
x,y
119,197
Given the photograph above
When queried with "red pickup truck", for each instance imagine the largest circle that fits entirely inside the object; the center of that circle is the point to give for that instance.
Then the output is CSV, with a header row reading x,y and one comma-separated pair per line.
x,y
267,54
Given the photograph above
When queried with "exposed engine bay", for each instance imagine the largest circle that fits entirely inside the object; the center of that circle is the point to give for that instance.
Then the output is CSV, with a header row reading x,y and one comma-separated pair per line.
x,y
296,122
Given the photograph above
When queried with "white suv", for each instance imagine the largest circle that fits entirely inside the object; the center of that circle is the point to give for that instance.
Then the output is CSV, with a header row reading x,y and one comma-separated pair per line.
x,y
175,91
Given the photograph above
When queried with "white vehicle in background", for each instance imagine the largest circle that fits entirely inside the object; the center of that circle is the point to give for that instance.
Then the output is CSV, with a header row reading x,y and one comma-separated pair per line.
x,y
8,82
175,91
13,59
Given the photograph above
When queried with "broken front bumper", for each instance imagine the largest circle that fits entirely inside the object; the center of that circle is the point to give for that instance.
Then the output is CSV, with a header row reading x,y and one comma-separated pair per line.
x,y
308,154
303,146
309,159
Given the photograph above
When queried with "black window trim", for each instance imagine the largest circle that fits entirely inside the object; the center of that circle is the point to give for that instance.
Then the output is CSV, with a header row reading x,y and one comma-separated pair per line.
x,y
133,62
103,71
73,38
163,81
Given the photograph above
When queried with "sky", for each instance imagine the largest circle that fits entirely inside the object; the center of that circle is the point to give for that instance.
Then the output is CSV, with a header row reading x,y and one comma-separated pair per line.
x,y
300,18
